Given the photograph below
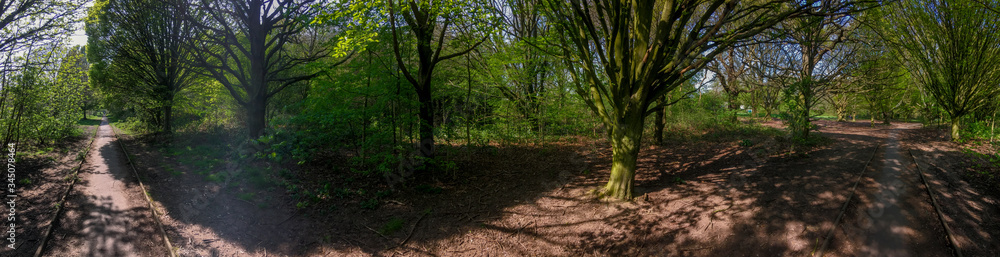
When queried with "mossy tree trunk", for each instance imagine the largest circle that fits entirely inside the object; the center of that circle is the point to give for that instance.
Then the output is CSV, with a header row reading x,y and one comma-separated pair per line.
x,y
625,142
956,128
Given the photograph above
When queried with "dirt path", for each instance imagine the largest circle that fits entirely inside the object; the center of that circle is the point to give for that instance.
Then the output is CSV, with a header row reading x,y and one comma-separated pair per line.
x,y
893,215
106,214
886,213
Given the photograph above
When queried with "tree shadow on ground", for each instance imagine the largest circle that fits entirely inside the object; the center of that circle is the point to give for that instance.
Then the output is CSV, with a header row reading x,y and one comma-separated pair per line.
x,y
694,198
209,208
36,201
718,203
969,202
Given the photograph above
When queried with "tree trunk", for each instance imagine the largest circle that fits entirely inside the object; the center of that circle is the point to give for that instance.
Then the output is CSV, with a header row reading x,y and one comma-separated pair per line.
x,y
733,107
660,124
803,119
955,128
841,113
426,122
167,118
256,111
468,101
993,125
625,142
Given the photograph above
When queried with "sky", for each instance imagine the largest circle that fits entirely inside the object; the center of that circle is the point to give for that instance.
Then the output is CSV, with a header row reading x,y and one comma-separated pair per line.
x,y
79,37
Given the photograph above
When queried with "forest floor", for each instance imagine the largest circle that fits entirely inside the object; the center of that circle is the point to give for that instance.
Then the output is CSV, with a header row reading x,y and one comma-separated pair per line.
x,y
740,194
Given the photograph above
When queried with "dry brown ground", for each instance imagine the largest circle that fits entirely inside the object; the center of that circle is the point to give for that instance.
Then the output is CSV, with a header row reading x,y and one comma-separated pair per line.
x,y
967,188
695,198
36,201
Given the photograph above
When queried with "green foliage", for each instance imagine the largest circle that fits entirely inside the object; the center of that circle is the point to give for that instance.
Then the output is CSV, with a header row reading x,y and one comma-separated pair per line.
x,y
429,189
370,204
139,61
394,224
980,129
950,50
795,110
696,114
44,102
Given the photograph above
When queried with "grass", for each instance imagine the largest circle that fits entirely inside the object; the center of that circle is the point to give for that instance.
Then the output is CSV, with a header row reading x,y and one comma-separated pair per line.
x,y
89,122
202,159
394,224
217,178
248,196
173,172
42,151
258,177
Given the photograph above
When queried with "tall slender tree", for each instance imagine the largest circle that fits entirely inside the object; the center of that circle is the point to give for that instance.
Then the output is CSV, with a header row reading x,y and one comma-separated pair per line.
x,y
428,22
525,69
27,25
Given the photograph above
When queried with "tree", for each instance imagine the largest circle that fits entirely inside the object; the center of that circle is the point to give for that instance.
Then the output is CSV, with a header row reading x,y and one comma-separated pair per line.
x,y
28,22
630,53
524,68
767,76
73,75
730,68
814,43
877,74
27,25
950,49
249,46
141,41
428,23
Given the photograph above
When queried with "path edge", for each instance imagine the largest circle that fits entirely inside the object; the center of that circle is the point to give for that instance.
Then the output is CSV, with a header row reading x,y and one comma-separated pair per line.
x,y
937,208
843,209
62,201
145,194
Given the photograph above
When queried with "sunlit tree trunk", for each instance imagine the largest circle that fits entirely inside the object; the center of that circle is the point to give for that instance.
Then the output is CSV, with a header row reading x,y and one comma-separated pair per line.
x,y
955,128
625,143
